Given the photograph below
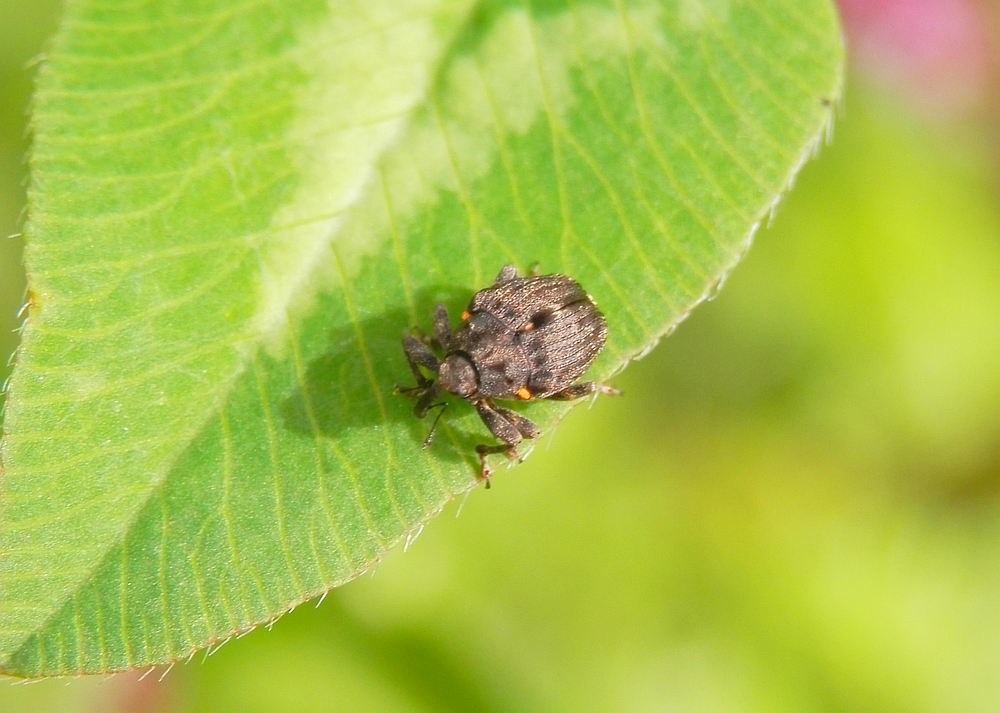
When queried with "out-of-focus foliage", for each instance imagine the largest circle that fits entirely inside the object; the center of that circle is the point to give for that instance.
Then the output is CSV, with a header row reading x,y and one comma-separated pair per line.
x,y
796,506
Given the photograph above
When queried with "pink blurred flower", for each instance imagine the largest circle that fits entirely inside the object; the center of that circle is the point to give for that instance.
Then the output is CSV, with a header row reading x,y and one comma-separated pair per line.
x,y
939,52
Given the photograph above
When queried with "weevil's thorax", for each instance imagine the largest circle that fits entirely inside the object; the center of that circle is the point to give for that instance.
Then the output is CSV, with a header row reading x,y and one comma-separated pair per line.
x,y
496,353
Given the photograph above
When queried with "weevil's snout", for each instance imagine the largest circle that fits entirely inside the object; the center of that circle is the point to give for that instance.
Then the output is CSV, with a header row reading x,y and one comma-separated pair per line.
x,y
457,375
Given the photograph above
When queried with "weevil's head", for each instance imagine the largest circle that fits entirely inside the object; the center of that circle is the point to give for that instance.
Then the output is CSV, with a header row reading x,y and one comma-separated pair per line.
x,y
457,375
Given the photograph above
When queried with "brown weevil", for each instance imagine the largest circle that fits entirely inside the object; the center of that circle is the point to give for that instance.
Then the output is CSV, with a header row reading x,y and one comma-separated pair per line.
x,y
522,338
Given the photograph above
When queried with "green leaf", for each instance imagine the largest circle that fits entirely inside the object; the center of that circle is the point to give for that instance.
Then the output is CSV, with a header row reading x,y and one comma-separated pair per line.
x,y
238,208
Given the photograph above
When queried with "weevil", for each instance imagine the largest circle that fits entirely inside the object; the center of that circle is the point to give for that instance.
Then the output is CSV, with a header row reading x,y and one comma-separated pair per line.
x,y
523,338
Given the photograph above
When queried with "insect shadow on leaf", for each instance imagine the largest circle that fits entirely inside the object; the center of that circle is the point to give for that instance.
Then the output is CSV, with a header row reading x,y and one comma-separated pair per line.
x,y
337,395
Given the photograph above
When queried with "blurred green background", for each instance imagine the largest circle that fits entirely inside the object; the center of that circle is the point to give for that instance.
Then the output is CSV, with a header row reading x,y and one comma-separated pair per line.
x,y
795,507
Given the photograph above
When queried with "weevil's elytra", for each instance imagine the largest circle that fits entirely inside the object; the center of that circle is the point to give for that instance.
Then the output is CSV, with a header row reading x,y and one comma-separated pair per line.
x,y
522,338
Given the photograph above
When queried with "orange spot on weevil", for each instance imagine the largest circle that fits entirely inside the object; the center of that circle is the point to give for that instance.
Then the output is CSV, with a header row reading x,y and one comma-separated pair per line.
x,y
524,393
465,315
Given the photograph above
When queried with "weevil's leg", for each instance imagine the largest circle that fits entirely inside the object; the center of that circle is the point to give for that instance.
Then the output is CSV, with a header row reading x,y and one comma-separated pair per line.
x,y
483,450
417,355
431,391
500,427
441,405
585,388
442,327
535,268
507,273
504,431
423,336
525,426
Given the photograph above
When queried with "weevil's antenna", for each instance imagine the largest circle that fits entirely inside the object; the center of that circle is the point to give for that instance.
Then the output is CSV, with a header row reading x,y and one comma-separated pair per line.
x,y
430,436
